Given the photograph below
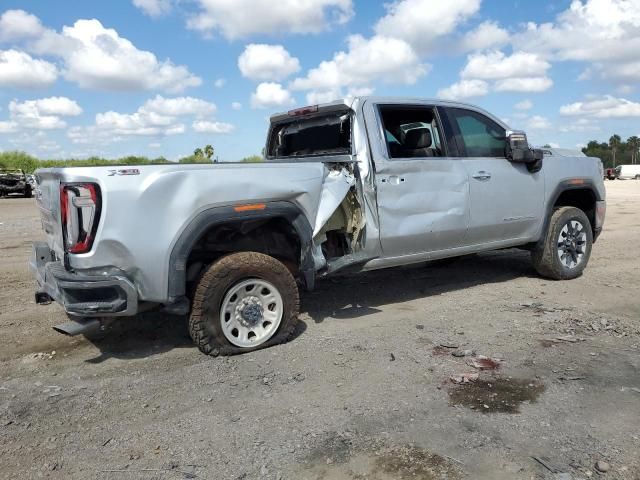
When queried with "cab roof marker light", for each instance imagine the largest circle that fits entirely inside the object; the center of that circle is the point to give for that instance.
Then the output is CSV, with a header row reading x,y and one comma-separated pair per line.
x,y
303,111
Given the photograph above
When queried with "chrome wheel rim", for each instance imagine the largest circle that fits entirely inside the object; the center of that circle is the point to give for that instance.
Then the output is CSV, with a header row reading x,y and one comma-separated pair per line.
x,y
572,244
251,312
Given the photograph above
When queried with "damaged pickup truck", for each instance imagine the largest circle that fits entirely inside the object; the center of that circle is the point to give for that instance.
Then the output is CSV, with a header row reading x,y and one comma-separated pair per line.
x,y
14,181
345,187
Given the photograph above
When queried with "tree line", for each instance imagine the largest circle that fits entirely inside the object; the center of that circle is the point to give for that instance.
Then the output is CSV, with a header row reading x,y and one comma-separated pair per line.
x,y
615,152
29,163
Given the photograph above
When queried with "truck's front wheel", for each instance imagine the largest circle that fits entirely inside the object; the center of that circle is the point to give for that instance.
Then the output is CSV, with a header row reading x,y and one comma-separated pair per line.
x,y
566,248
244,301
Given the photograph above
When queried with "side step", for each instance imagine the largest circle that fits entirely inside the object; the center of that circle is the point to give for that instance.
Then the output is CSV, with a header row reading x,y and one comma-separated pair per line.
x,y
82,327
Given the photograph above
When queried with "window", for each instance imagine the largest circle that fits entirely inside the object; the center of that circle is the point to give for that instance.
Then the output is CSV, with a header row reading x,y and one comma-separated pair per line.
x,y
411,131
478,135
319,135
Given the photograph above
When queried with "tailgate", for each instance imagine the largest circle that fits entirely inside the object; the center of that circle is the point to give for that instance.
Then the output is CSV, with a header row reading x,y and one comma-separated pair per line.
x,y
47,194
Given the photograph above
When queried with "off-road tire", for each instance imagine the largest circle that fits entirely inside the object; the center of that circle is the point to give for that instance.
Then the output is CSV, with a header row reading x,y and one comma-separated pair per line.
x,y
545,256
28,192
204,322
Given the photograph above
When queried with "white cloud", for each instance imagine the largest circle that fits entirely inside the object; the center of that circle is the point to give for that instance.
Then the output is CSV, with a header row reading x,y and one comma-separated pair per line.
x,y
518,72
538,123
605,33
18,25
535,84
179,106
603,107
580,125
263,62
8,127
42,114
138,123
236,106
20,70
48,147
422,22
315,97
219,83
486,35
378,58
242,18
270,94
92,135
99,58
61,106
155,145
464,89
157,117
496,65
524,105
153,8
204,126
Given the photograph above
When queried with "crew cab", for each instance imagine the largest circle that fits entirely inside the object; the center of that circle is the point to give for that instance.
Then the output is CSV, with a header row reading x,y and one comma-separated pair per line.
x,y
355,185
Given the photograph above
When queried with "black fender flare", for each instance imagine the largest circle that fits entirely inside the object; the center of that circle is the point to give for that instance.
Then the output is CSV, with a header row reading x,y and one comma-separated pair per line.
x,y
220,215
562,187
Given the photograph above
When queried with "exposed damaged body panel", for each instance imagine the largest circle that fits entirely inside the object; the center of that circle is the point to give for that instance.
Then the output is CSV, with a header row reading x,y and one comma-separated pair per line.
x,y
172,197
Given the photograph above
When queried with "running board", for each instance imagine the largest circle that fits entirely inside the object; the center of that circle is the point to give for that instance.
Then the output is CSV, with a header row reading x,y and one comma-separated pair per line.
x,y
341,263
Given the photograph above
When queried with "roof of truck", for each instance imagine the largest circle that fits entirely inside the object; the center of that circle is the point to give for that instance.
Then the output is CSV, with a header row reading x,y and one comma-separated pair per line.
x,y
353,102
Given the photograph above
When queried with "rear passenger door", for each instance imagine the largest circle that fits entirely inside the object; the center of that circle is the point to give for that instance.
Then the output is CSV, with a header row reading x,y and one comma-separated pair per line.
x,y
422,193
506,200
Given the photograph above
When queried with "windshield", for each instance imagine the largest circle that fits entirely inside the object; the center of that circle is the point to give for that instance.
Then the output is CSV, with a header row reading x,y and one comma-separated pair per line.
x,y
319,135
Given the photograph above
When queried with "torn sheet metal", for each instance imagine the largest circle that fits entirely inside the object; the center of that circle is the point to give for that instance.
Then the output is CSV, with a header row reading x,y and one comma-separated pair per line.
x,y
335,187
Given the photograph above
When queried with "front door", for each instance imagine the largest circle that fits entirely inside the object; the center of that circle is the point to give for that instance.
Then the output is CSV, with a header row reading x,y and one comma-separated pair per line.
x,y
507,200
422,193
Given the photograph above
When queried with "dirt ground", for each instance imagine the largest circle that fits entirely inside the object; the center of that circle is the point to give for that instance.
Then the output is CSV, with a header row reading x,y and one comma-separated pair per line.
x,y
362,392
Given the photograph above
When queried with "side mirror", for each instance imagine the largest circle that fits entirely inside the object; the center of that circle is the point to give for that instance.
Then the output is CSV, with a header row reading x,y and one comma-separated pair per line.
x,y
518,151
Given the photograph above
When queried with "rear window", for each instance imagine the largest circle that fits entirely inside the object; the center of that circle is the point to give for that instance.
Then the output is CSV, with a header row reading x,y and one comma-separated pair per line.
x,y
320,135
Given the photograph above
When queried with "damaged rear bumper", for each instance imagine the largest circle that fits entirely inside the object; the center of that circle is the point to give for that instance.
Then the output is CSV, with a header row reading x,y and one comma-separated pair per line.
x,y
85,295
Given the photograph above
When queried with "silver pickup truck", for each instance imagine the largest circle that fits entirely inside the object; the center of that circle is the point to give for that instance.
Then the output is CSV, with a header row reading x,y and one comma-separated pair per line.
x,y
353,185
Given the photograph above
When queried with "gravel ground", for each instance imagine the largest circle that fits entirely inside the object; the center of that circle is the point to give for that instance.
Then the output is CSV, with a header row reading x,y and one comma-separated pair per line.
x,y
362,392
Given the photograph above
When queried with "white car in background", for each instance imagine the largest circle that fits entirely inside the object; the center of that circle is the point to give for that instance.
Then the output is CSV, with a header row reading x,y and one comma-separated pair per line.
x,y
626,172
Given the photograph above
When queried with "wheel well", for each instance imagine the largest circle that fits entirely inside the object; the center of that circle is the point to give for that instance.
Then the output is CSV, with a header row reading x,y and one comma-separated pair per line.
x,y
582,198
275,237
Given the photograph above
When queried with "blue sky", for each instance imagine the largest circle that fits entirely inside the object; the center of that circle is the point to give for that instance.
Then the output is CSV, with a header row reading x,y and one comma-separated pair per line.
x,y
161,77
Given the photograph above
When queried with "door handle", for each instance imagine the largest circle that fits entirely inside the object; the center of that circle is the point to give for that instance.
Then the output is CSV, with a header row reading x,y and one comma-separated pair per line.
x,y
392,180
481,175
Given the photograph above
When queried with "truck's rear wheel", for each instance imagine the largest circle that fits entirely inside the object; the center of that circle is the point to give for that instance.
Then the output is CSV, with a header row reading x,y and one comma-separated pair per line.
x,y
567,245
243,302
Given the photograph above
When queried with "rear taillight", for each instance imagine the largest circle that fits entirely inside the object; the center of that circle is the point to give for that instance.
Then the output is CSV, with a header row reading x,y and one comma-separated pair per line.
x,y
80,205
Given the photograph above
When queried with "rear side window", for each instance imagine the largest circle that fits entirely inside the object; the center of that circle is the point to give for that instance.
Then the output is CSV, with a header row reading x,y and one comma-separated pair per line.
x,y
411,131
320,135
476,134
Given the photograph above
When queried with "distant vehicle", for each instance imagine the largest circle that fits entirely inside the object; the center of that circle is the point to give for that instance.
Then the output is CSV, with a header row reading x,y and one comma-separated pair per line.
x,y
14,181
626,172
610,174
